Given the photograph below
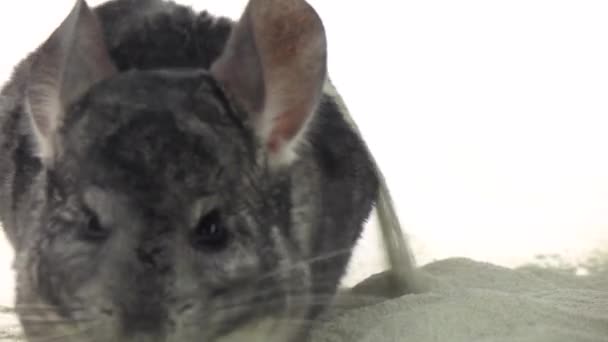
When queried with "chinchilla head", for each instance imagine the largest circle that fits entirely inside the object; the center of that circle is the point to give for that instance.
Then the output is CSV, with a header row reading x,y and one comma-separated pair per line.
x,y
178,204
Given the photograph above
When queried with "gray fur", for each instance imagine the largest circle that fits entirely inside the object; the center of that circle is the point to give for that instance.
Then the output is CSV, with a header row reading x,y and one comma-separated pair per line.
x,y
147,152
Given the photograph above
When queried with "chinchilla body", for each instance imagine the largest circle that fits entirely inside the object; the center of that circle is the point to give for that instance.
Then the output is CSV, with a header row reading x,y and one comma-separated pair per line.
x,y
166,175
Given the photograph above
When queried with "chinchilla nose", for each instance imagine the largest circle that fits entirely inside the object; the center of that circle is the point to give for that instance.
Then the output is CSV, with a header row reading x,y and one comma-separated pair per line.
x,y
154,250
153,258
147,281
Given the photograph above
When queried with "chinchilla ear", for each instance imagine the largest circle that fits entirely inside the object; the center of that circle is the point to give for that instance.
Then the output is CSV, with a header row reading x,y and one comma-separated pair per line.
x,y
73,59
274,65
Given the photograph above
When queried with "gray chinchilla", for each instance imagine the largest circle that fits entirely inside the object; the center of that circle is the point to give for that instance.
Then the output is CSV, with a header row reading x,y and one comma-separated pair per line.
x,y
166,175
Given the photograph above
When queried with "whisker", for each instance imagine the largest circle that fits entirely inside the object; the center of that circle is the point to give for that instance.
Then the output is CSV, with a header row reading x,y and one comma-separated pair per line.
x,y
308,323
42,320
41,307
5,310
300,263
306,300
34,305
320,297
77,332
300,322
250,300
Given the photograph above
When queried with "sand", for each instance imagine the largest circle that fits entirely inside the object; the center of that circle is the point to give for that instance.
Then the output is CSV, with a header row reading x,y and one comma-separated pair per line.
x,y
469,301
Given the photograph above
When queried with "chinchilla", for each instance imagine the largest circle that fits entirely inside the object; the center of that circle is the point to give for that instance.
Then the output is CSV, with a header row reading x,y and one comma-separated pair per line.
x,y
166,175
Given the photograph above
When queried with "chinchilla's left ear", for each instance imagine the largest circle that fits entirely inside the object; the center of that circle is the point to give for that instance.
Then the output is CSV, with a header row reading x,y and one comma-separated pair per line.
x,y
274,65
73,59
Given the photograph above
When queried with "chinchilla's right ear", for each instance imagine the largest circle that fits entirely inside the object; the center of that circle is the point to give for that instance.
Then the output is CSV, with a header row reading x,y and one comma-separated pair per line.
x,y
68,63
274,65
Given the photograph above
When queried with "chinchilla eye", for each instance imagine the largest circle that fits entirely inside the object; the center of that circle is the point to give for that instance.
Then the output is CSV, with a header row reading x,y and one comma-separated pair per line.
x,y
210,233
92,229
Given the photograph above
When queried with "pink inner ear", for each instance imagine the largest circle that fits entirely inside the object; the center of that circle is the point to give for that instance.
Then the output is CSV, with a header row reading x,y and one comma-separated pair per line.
x,y
286,127
274,65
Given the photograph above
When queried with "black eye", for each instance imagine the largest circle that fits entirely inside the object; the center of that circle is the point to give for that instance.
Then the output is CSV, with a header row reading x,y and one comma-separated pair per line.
x,y
92,230
210,233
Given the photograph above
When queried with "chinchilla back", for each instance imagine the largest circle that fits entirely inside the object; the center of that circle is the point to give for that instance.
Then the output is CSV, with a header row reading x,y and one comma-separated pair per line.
x,y
398,253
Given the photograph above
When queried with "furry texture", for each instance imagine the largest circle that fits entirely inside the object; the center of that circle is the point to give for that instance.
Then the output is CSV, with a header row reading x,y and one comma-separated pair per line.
x,y
106,239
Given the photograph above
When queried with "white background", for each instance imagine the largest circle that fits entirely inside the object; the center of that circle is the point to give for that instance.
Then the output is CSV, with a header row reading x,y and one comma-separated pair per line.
x,y
490,118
